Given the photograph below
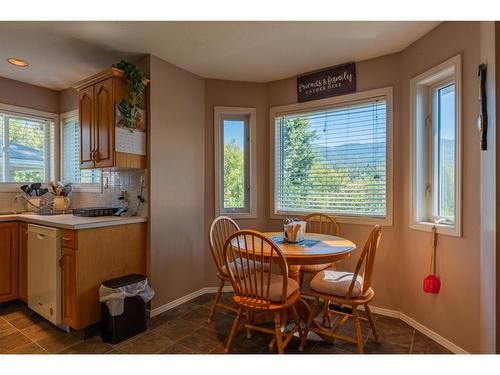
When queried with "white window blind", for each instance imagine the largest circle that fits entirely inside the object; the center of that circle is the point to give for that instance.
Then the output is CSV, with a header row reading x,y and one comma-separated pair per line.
x,y
27,148
333,160
71,155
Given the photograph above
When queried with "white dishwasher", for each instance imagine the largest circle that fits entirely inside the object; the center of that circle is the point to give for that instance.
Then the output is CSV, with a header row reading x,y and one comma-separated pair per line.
x,y
44,272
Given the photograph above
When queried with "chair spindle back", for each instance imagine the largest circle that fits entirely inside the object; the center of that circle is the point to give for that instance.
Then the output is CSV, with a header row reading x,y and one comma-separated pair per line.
x,y
220,230
251,252
366,261
321,224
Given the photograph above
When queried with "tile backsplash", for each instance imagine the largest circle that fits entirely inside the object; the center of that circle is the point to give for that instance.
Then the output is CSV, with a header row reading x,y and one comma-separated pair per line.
x,y
113,183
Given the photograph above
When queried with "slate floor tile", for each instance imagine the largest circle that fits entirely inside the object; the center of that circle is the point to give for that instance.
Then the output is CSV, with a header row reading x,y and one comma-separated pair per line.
x,y
147,343
12,340
58,342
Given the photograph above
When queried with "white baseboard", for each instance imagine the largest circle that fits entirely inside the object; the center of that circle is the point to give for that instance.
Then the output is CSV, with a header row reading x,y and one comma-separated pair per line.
x,y
433,335
419,327
186,298
377,310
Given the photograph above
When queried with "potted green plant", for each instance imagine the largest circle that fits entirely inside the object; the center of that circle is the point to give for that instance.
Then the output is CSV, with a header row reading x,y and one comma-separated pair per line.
x,y
131,107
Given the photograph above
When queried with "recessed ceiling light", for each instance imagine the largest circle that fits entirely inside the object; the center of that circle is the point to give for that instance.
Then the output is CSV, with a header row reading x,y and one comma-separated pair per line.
x,y
17,62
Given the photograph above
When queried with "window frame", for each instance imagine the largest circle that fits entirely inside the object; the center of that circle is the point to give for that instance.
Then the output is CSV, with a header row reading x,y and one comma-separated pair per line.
x,y
387,93
422,144
250,209
76,187
13,187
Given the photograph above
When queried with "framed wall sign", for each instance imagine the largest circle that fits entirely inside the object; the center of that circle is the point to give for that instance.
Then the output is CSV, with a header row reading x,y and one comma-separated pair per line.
x,y
337,80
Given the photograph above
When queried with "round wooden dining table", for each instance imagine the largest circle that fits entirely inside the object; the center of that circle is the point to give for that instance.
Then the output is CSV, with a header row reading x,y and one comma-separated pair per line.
x,y
315,249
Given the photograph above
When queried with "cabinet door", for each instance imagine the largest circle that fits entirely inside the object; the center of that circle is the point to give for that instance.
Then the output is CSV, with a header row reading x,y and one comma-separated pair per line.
x,y
68,266
23,261
104,123
86,117
8,262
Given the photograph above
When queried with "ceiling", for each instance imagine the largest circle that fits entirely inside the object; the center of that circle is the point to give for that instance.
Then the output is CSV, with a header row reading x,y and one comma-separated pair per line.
x,y
61,53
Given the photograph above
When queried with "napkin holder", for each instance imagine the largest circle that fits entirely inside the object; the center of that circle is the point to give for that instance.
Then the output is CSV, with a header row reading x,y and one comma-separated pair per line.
x,y
296,231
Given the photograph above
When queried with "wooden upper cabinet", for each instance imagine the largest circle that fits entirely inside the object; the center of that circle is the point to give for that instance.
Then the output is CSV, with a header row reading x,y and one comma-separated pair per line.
x,y
104,123
99,95
86,117
8,261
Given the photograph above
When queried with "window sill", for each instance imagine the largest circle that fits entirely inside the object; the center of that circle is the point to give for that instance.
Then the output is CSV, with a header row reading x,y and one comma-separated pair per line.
x,y
238,215
447,230
383,221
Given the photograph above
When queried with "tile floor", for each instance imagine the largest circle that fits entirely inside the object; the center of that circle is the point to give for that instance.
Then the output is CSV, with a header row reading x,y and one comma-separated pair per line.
x,y
184,330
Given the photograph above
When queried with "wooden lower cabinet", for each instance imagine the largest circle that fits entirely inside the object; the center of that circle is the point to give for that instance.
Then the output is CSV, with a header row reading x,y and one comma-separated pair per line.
x,y
8,261
68,284
99,254
23,261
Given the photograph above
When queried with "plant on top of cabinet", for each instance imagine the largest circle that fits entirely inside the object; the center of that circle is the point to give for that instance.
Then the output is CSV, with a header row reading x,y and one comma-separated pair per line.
x,y
132,106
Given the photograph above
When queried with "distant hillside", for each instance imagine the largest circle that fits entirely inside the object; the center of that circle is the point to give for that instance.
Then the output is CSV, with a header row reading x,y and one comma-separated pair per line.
x,y
347,154
370,154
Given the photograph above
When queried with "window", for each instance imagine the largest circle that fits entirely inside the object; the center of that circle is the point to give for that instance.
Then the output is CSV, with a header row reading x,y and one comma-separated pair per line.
x,y
86,179
334,156
26,145
234,161
435,119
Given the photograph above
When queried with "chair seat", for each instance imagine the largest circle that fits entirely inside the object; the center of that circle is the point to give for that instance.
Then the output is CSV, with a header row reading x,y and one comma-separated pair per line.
x,y
275,286
312,268
336,283
245,267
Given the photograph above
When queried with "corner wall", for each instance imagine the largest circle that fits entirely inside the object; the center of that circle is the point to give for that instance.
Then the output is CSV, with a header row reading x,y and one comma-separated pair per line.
x,y
177,165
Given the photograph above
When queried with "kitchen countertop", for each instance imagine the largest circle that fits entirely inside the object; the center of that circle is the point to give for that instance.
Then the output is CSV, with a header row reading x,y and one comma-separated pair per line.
x,y
69,221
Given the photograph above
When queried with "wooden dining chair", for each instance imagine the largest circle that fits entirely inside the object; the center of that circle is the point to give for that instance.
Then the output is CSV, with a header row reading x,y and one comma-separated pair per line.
x,y
347,291
321,224
256,290
220,230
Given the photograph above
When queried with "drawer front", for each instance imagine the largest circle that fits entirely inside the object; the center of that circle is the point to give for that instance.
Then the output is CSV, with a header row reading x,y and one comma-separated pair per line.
x,y
69,238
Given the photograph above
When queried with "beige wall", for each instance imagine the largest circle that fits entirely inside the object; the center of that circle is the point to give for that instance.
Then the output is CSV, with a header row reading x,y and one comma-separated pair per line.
x,y
28,96
68,100
177,159
454,312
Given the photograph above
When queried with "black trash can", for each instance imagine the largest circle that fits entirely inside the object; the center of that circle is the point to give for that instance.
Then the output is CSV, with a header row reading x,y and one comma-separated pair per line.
x,y
133,320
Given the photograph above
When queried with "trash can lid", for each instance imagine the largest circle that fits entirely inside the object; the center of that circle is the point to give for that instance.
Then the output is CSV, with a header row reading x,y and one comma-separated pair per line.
x,y
124,280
